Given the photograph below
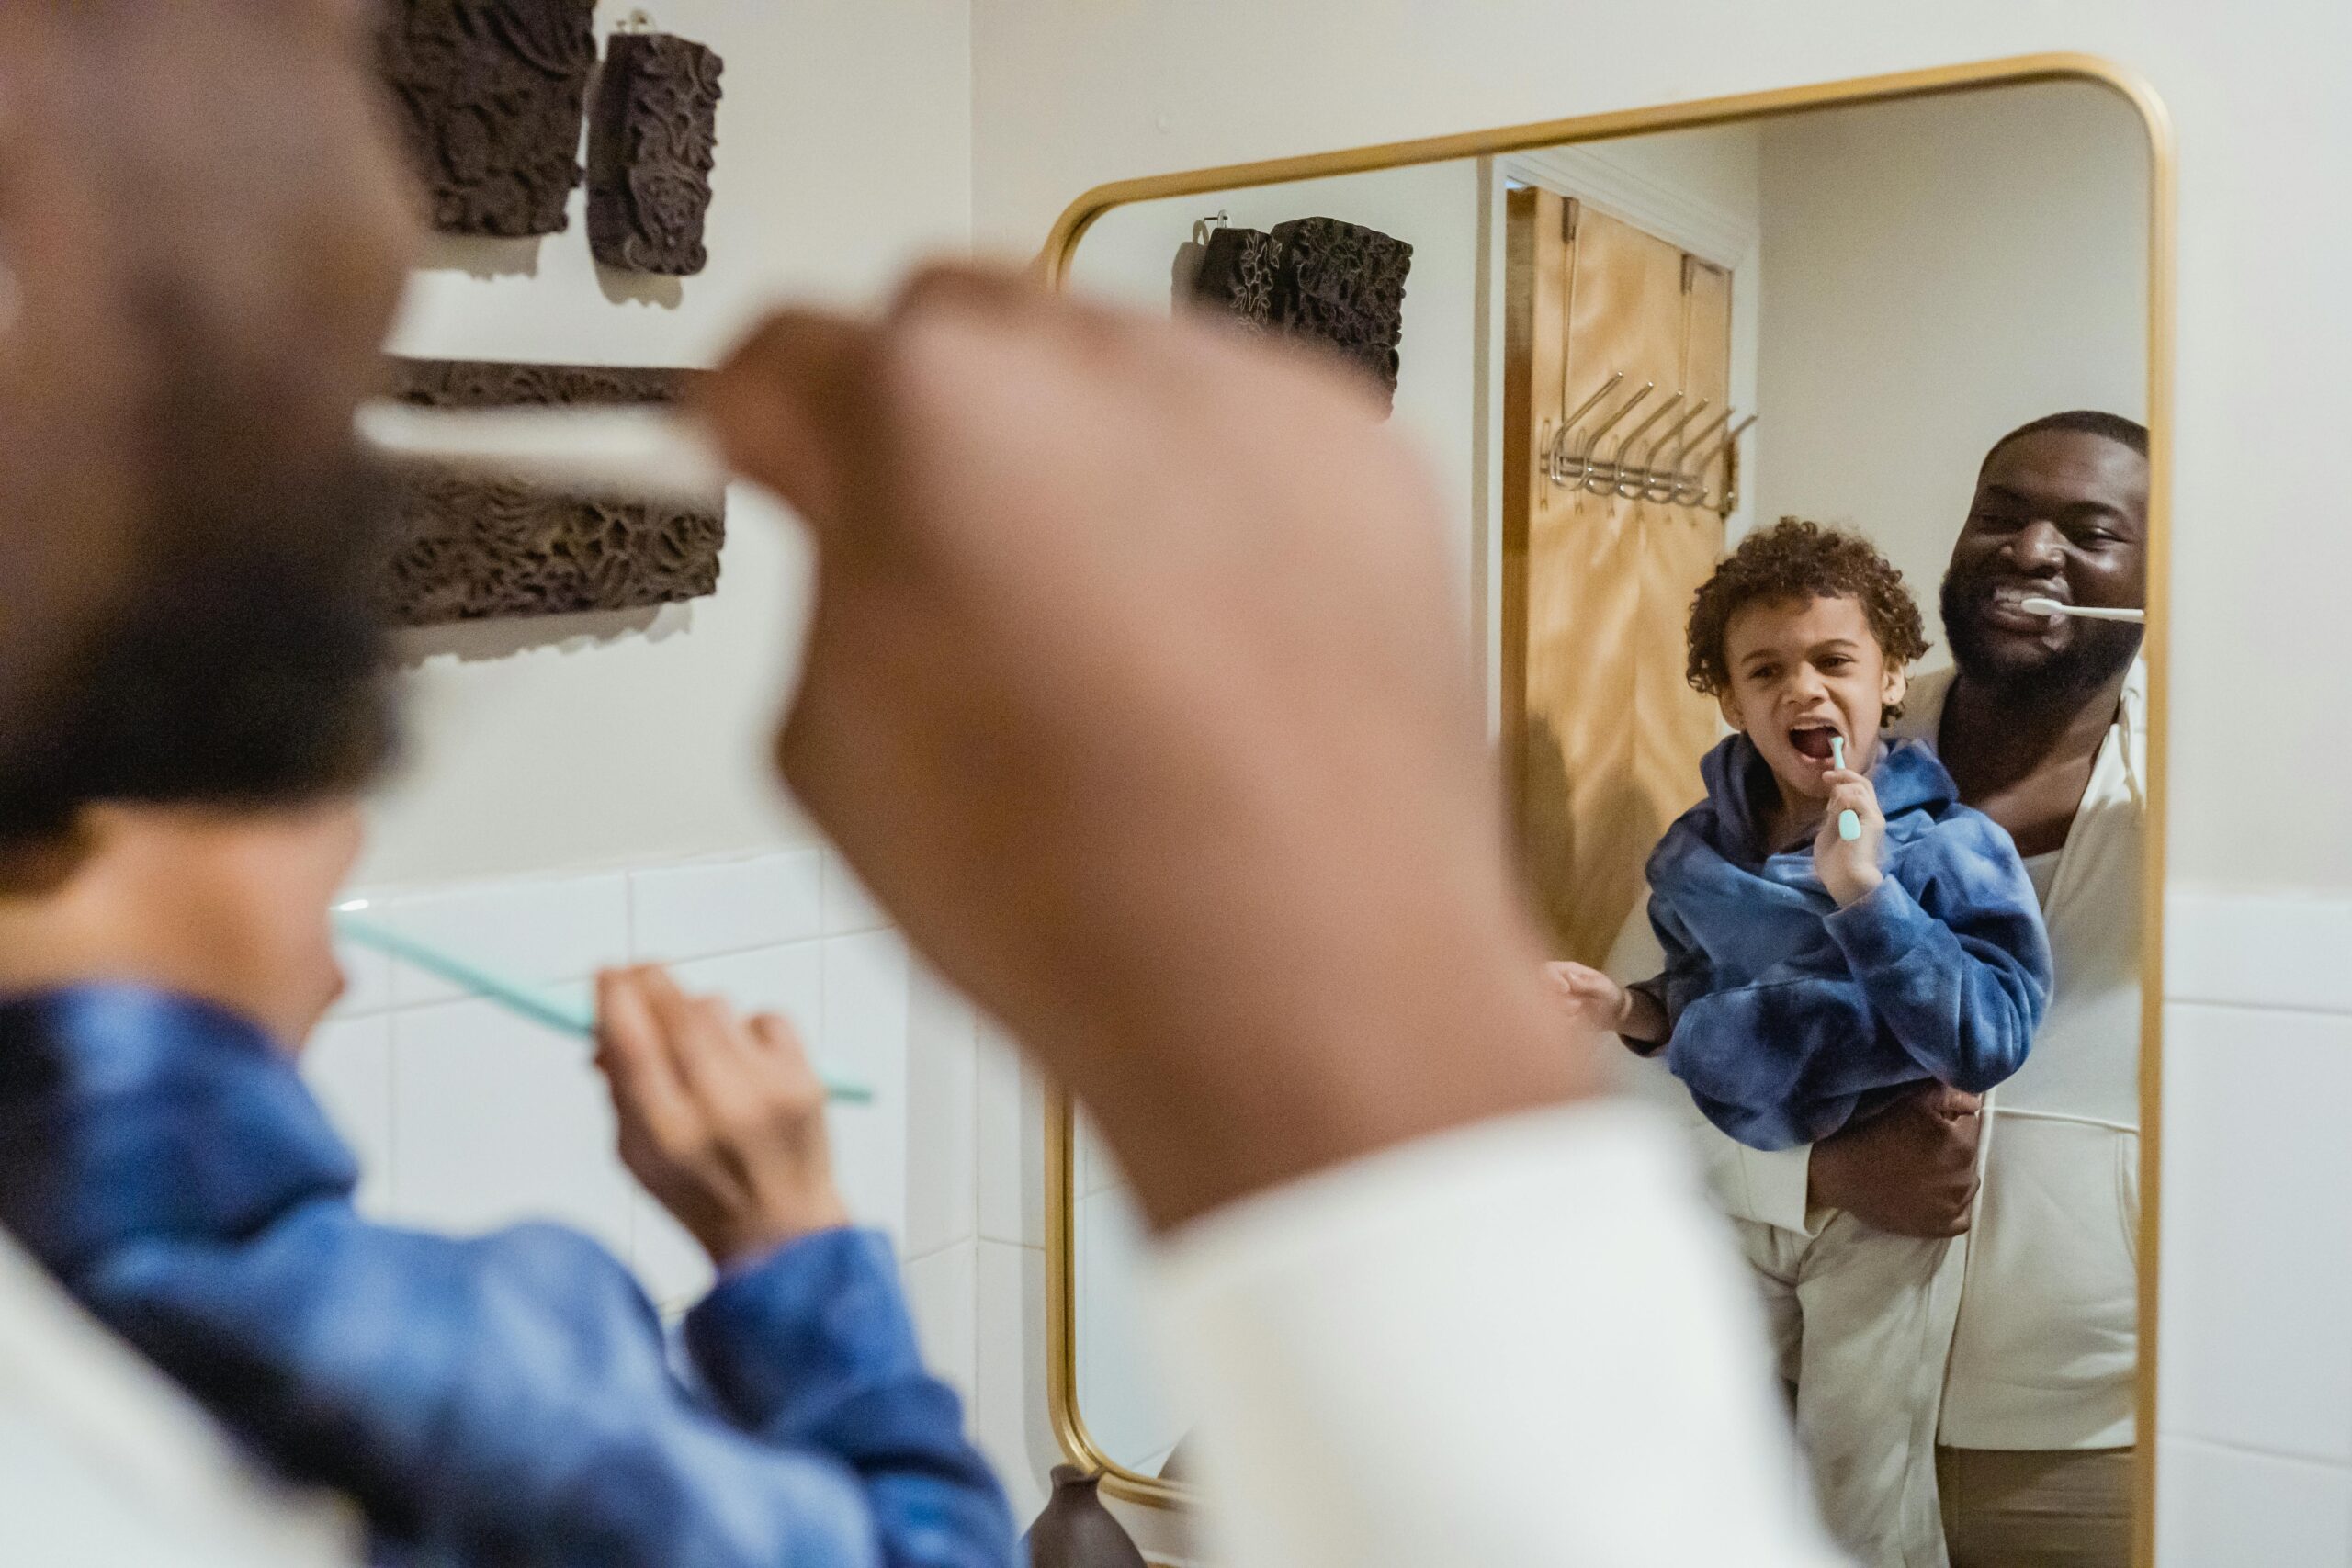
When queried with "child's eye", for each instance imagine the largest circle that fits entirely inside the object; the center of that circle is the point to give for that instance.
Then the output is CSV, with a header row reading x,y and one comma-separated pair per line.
x,y
1836,662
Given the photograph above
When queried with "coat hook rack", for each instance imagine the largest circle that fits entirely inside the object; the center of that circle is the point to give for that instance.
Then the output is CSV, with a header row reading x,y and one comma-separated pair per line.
x,y
1673,467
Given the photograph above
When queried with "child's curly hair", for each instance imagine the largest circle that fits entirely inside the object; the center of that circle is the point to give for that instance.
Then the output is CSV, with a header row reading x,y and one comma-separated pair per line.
x,y
1797,559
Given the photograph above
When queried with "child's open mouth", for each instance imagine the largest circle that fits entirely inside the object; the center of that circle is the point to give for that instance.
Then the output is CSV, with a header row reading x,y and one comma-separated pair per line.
x,y
1813,741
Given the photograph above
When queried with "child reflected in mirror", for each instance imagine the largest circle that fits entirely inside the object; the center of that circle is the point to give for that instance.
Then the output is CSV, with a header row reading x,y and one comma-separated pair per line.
x,y
1813,979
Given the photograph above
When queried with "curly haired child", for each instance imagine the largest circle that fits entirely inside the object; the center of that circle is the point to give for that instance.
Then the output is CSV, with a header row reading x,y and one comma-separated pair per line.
x,y
1812,978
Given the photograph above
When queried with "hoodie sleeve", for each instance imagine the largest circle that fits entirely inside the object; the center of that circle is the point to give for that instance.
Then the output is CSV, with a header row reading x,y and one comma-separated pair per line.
x,y
511,1399
1958,970
1688,976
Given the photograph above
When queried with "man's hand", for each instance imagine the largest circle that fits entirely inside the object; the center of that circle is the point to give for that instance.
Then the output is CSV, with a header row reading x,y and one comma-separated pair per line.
x,y
1910,1170
721,1119
1137,691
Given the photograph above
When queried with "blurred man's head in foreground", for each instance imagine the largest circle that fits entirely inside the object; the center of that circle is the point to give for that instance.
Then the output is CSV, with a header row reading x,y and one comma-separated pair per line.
x,y
203,233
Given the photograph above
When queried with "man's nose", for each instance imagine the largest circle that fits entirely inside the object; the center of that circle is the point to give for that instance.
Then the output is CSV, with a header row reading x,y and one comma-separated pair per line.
x,y
2037,546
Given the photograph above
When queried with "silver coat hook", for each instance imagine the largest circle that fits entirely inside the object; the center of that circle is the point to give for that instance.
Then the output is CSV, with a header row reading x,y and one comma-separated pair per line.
x,y
1556,456
1616,479
1584,453
1701,433
1697,485
1657,483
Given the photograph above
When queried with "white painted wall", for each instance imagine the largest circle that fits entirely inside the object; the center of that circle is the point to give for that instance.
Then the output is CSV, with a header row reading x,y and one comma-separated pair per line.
x,y
1937,273
1128,256
844,137
2254,1423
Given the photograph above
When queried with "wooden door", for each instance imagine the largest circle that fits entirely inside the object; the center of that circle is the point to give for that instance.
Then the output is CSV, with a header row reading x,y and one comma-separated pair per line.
x,y
1604,737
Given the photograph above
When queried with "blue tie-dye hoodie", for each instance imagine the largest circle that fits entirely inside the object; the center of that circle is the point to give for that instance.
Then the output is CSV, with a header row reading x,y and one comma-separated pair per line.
x,y
507,1399
1790,1017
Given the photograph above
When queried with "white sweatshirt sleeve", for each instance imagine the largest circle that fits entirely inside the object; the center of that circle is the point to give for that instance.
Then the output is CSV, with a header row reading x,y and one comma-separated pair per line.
x,y
103,1462
1524,1344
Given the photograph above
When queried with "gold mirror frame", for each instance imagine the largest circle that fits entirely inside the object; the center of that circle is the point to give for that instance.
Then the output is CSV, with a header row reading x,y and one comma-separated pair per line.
x,y
1061,1271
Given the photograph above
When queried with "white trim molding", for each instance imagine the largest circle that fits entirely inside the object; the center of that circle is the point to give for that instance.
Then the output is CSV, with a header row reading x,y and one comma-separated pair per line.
x,y
1674,215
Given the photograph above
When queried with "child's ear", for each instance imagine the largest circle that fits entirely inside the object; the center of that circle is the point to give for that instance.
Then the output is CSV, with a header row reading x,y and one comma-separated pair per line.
x,y
1894,688
1731,714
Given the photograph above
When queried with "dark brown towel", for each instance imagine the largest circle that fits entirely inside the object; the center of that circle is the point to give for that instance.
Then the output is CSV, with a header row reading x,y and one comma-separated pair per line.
x,y
650,149
490,94
1241,272
1317,279
1348,292
474,549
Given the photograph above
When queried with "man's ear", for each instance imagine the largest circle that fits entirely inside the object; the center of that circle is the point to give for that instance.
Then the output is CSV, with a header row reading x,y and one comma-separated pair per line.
x,y
1731,714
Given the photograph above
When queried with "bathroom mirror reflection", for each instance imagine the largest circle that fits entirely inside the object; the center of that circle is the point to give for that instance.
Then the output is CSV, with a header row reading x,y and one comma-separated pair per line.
x,y
1921,323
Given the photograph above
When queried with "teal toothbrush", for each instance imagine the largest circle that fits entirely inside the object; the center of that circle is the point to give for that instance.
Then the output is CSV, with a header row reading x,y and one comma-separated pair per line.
x,y
544,1011
1849,827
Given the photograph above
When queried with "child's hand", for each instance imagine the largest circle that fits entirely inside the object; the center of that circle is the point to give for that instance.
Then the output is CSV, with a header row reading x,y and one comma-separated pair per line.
x,y
1850,870
1589,995
721,1118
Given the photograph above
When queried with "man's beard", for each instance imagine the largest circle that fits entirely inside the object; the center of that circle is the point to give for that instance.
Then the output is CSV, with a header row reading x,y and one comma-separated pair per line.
x,y
2093,656
241,663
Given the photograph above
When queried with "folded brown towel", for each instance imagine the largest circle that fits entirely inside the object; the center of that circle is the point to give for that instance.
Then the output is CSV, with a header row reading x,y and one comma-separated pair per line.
x,y
490,94
650,149
1348,285
1317,279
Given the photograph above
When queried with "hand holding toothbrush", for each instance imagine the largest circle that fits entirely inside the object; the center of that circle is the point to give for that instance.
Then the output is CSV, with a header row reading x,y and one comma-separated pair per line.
x,y
1847,851
721,1118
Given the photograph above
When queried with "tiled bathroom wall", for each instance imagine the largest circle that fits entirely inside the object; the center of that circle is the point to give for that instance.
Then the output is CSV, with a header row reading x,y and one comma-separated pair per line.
x,y
467,1117
2254,1427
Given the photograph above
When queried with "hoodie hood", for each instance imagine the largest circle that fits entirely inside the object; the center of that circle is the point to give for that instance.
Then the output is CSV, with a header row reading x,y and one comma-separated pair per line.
x,y
1907,777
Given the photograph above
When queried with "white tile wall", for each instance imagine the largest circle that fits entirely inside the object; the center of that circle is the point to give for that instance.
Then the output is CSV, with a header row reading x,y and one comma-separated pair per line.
x,y
1012,1141
2220,1507
2254,1420
348,1065
494,1120
1010,1416
539,929
866,977
943,1066
943,1290
726,906
465,1118
2254,1425
848,906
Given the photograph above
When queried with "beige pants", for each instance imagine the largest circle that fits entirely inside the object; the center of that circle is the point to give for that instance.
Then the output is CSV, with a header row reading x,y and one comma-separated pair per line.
x,y
1862,1322
2070,1508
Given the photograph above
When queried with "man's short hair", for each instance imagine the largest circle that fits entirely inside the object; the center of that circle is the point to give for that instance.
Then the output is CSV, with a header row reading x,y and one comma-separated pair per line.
x,y
2085,422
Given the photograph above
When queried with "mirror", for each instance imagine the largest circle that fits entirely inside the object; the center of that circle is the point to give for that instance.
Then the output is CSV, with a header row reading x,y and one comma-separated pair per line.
x,y
1628,349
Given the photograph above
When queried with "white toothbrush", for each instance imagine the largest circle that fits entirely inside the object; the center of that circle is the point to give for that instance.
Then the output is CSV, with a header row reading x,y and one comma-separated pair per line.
x,y
2084,612
1849,826
643,453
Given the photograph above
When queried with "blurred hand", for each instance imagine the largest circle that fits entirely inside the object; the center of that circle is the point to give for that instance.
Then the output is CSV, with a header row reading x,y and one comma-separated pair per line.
x,y
1911,1169
1588,995
720,1118
1136,691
